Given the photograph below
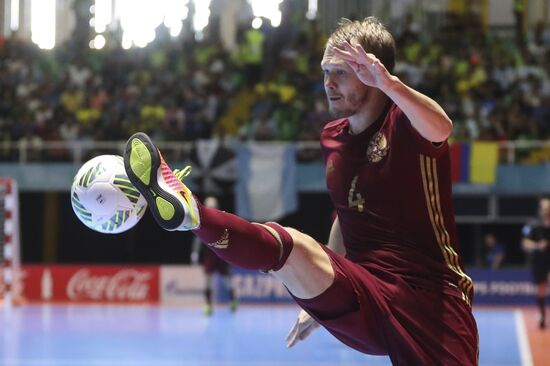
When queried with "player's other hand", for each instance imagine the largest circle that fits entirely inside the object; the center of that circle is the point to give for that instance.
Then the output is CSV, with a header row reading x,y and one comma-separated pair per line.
x,y
303,327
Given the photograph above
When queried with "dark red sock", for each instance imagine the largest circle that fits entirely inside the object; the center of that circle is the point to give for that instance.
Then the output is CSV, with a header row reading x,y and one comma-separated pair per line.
x,y
243,243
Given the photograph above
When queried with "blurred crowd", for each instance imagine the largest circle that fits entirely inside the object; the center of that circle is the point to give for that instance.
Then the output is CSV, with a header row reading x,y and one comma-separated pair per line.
x,y
492,85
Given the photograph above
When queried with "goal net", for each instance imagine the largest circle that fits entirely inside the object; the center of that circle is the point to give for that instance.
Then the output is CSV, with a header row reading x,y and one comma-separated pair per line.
x,y
10,254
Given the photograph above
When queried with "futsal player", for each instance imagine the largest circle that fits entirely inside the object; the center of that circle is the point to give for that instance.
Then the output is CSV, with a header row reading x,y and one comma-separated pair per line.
x,y
400,289
536,239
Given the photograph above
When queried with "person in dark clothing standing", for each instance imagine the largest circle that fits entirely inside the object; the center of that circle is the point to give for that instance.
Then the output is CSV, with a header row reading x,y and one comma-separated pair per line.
x,y
536,239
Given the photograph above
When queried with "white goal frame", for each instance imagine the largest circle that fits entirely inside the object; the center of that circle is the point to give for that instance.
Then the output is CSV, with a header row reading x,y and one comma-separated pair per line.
x,y
10,257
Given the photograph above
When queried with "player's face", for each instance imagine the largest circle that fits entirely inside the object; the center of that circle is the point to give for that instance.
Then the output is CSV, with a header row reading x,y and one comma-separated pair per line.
x,y
346,94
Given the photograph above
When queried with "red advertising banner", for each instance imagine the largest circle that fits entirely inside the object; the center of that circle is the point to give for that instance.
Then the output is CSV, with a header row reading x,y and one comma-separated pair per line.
x,y
80,283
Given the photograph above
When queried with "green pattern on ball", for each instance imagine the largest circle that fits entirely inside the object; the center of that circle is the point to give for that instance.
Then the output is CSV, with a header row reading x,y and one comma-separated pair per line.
x,y
81,211
115,221
90,175
121,181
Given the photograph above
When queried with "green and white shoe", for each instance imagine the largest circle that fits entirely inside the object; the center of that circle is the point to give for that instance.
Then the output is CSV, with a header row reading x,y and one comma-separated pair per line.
x,y
170,201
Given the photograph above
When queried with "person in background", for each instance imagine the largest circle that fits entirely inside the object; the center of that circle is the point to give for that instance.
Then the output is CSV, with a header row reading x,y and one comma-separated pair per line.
x,y
213,264
536,237
494,251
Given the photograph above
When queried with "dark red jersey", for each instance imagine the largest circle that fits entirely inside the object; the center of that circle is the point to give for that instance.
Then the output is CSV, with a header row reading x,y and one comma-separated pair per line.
x,y
392,191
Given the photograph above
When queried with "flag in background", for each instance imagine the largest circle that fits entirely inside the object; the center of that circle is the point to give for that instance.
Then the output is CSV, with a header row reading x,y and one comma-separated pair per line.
x,y
474,162
460,162
483,162
214,167
266,185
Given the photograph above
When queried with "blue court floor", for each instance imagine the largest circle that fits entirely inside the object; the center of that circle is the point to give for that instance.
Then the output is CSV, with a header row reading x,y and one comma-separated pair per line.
x,y
93,335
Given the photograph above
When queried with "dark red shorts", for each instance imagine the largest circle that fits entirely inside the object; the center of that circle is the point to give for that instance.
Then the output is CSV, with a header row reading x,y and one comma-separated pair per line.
x,y
379,313
212,263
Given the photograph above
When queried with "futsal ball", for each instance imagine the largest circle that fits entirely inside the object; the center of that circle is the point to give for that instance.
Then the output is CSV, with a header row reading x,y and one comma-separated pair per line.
x,y
103,197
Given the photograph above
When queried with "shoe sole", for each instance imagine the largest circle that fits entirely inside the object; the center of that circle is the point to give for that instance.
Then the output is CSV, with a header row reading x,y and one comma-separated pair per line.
x,y
142,162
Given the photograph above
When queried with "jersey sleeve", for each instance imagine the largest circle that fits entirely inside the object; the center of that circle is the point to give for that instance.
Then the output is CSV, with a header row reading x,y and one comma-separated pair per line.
x,y
418,141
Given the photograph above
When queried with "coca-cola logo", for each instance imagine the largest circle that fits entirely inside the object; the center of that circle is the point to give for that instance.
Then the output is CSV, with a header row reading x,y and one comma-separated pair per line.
x,y
124,285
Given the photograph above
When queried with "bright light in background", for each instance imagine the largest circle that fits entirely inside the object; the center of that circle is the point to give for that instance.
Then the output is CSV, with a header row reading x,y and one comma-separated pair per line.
x,y
175,28
268,9
176,11
257,23
276,19
14,15
139,18
202,13
102,11
43,23
311,9
126,42
99,42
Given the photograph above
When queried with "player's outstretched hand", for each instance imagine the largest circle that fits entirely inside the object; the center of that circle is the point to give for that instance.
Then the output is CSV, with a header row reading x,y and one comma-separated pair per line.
x,y
303,327
367,66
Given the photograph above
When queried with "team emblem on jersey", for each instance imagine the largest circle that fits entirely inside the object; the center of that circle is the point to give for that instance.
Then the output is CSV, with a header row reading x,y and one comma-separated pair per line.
x,y
378,148
221,243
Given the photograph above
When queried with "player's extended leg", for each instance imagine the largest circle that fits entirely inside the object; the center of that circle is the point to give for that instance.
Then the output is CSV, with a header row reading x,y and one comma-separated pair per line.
x,y
295,258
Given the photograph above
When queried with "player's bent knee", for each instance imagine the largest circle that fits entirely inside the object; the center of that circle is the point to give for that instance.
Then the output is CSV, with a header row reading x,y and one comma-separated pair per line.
x,y
308,270
307,250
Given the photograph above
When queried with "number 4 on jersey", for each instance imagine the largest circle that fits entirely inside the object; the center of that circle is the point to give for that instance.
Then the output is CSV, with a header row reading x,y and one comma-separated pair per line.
x,y
354,198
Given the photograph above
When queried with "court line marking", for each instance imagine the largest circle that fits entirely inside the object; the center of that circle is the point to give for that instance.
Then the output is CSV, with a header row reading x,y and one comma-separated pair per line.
x,y
523,342
121,362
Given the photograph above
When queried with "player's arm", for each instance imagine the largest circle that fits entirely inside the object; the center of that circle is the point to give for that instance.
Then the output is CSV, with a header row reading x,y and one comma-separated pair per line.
x,y
335,239
529,241
528,244
425,114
